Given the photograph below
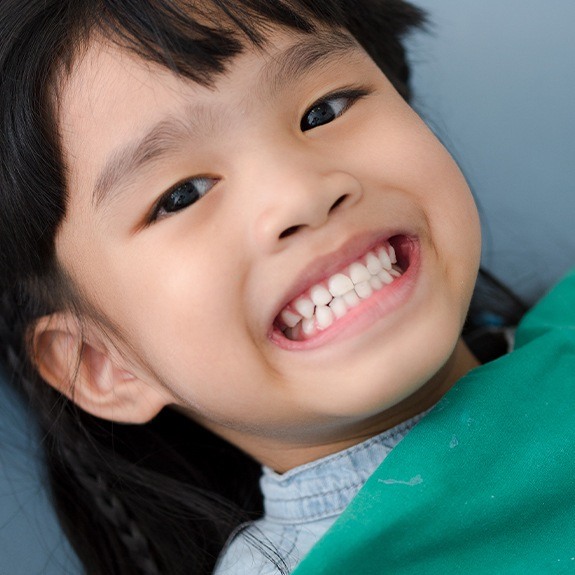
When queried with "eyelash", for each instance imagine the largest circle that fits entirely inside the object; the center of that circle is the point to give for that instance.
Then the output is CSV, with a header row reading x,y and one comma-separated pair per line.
x,y
185,188
182,190
351,95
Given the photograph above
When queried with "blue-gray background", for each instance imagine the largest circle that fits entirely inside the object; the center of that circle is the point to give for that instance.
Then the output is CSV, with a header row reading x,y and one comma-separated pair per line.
x,y
496,81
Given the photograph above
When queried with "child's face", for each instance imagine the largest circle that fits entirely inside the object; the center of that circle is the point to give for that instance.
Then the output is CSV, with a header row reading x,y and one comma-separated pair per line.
x,y
197,287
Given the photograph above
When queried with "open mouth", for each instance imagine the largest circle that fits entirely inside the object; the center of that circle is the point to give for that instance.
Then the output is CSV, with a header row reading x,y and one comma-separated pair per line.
x,y
325,303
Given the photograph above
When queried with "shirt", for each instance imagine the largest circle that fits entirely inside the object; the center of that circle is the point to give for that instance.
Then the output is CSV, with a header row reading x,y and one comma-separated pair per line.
x,y
301,504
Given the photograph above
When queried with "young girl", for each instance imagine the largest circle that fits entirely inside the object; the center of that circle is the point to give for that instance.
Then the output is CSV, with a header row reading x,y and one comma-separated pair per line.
x,y
226,242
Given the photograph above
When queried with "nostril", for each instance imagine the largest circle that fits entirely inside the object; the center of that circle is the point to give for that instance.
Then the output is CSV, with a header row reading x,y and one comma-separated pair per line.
x,y
289,231
338,202
294,229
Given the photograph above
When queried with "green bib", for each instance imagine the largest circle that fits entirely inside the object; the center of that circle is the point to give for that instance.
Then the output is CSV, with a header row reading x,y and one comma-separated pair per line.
x,y
486,482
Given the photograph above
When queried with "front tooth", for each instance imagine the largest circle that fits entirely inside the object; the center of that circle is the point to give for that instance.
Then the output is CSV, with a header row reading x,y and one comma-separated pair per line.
x,y
324,317
308,326
392,255
384,258
385,277
304,307
339,284
319,295
290,318
351,299
358,273
373,264
363,289
338,306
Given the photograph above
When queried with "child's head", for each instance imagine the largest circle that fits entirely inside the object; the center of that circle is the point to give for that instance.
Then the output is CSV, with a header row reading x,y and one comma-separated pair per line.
x,y
179,182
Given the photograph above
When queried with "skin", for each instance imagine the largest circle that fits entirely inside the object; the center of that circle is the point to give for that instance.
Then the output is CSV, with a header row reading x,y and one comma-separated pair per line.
x,y
192,295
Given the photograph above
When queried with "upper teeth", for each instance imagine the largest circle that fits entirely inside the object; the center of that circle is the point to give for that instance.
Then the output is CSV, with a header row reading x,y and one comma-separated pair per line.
x,y
331,300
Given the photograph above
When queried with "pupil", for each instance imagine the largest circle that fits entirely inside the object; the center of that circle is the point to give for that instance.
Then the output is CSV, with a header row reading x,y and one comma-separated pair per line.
x,y
320,115
180,198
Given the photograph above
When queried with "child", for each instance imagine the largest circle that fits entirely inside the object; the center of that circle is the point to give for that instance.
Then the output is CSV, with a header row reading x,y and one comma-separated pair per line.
x,y
222,225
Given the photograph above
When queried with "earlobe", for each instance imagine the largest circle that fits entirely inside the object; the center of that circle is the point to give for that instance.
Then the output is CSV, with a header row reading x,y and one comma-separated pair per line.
x,y
82,365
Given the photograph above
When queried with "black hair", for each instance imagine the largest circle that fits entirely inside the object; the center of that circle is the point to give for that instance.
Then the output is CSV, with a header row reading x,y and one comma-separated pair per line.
x,y
161,497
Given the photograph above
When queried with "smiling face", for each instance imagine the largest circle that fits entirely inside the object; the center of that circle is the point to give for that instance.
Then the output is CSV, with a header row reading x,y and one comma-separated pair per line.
x,y
200,219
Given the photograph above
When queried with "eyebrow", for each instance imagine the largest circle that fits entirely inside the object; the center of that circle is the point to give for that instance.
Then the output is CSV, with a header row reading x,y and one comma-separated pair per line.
x,y
167,135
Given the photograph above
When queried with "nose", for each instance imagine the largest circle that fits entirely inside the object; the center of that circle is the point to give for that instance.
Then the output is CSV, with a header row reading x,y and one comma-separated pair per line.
x,y
298,193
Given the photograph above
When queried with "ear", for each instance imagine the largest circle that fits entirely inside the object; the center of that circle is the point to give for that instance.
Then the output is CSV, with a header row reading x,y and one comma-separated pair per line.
x,y
82,364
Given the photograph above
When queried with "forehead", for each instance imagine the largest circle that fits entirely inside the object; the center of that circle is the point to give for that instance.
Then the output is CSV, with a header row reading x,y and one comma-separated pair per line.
x,y
282,54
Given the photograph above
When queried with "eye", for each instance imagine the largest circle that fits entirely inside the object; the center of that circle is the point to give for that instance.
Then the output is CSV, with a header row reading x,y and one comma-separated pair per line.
x,y
328,109
182,196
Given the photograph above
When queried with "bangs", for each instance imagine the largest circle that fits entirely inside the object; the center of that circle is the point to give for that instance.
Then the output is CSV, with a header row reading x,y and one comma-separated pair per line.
x,y
196,39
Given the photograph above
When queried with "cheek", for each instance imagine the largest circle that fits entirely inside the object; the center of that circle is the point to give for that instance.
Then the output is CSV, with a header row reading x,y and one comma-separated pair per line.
x,y
426,171
192,330
417,165
179,295
166,299
401,155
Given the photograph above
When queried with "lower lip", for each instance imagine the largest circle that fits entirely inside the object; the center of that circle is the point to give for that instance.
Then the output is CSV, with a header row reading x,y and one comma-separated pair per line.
x,y
370,311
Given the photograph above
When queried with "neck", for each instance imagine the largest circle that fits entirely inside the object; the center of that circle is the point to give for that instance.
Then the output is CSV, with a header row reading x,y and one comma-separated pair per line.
x,y
282,456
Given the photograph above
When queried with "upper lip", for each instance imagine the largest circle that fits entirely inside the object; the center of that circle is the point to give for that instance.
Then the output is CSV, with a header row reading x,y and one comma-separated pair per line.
x,y
324,266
